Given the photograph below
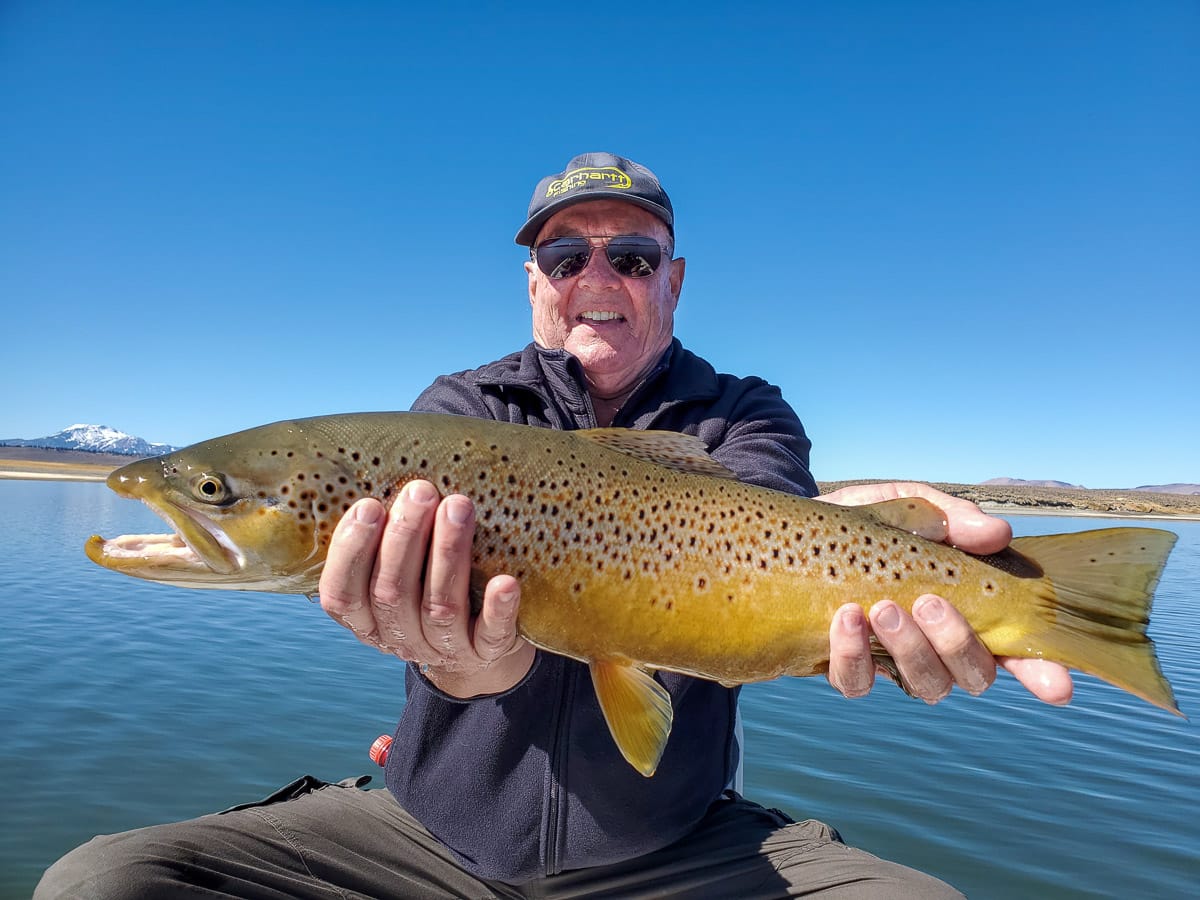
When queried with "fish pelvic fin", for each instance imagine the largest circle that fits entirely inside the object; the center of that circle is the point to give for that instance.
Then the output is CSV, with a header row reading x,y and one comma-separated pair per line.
x,y
637,709
1099,589
682,452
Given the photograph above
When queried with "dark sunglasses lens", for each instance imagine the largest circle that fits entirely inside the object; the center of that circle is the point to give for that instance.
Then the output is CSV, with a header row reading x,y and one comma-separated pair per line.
x,y
634,257
563,257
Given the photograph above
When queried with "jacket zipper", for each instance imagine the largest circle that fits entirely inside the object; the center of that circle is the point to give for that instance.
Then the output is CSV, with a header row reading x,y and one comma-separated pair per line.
x,y
558,770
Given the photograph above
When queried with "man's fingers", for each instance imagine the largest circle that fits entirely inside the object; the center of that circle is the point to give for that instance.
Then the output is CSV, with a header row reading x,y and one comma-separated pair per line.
x,y
496,628
346,578
396,585
969,662
445,607
920,667
1048,681
851,669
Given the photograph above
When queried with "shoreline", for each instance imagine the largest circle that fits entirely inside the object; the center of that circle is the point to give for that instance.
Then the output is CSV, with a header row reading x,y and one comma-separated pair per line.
x,y
1001,509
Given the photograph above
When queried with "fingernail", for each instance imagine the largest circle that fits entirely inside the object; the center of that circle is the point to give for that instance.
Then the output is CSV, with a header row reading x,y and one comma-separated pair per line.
x,y
930,610
367,513
851,622
421,492
888,617
458,511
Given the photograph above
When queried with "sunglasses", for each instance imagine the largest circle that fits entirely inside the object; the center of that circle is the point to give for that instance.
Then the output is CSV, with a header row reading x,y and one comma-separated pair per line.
x,y
630,255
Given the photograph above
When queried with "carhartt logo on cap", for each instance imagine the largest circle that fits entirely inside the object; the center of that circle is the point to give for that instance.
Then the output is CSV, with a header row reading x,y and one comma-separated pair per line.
x,y
608,176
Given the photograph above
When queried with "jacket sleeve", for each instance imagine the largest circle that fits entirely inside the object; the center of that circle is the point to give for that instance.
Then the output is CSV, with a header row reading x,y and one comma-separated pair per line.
x,y
764,442
454,394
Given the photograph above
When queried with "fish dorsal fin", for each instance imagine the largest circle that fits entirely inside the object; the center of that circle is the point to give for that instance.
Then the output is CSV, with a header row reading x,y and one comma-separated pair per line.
x,y
683,452
912,514
637,709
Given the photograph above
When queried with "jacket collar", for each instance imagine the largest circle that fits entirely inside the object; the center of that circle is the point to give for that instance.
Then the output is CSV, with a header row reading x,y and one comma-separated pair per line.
x,y
679,376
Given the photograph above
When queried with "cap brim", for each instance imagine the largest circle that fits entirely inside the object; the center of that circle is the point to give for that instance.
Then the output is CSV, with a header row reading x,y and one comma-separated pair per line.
x,y
529,231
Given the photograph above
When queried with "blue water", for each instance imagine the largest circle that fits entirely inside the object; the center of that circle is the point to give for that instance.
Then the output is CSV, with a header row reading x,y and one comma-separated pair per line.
x,y
125,703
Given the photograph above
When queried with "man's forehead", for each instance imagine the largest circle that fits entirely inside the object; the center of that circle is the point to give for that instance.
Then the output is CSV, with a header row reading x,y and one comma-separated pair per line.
x,y
604,216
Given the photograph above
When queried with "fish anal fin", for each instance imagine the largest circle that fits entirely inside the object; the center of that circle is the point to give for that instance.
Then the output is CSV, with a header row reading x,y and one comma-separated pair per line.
x,y
637,709
913,515
886,664
682,452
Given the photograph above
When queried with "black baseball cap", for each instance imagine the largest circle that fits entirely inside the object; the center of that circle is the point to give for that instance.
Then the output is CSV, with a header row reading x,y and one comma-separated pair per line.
x,y
596,176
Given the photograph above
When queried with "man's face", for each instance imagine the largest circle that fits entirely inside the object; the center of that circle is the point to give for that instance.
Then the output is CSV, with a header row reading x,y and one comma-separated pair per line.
x,y
615,326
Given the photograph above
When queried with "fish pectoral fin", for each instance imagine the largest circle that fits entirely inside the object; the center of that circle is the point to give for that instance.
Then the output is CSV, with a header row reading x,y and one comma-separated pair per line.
x,y
637,709
682,452
913,515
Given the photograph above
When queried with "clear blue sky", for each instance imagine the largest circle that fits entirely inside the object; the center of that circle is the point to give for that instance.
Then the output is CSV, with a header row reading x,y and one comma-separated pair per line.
x,y
963,238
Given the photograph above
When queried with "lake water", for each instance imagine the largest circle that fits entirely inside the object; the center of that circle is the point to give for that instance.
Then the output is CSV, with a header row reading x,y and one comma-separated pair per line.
x,y
126,703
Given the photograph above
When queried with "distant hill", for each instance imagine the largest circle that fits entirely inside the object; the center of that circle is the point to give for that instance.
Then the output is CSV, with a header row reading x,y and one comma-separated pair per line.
x,y
1185,489
1188,489
1021,482
93,439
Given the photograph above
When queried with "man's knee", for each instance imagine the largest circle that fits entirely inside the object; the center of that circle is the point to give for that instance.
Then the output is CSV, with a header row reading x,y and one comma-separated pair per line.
x,y
109,867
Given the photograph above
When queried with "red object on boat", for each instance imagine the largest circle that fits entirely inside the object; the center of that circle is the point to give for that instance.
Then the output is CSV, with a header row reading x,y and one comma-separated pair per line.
x,y
379,750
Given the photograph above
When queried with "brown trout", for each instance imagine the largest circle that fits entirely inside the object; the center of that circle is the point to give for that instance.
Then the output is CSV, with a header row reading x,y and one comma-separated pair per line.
x,y
637,551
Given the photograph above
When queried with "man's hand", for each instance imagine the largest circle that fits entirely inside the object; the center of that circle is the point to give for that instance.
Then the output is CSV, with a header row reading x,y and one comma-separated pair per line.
x,y
934,648
401,582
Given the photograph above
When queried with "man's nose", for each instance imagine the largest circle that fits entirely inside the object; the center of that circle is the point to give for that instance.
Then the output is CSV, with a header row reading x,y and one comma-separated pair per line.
x,y
599,271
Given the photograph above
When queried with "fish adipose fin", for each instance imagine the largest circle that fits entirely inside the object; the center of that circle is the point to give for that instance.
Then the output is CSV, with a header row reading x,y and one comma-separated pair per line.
x,y
1096,605
637,709
682,452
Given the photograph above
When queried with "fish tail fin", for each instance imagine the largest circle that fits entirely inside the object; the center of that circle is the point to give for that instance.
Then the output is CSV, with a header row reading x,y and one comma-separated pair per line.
x,y
1099,586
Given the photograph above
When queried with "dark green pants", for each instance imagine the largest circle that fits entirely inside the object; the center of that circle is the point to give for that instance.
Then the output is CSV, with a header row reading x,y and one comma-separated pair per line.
x,y
336,841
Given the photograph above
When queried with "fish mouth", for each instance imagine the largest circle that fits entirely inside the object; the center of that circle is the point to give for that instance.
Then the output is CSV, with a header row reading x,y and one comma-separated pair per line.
x,y
197,550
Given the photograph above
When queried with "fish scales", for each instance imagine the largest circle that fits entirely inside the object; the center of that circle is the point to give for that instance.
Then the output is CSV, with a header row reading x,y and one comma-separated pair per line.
x,y
588,530
637,551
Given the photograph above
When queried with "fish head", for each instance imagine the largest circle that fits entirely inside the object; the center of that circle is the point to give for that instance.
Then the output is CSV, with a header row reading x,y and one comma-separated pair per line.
x,y
250,511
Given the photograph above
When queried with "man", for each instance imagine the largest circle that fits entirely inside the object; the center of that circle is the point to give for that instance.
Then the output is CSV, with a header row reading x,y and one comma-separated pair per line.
x,y
503,780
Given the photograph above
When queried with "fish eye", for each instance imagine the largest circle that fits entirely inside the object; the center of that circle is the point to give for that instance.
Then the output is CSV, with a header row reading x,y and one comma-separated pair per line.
x,y
210,488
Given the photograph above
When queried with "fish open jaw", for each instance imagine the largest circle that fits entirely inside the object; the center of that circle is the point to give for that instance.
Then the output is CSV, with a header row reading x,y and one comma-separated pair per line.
x,y
149,546
196,546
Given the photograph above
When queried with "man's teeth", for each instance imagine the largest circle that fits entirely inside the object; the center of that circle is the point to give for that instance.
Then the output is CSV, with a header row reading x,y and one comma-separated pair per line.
x,y
599,316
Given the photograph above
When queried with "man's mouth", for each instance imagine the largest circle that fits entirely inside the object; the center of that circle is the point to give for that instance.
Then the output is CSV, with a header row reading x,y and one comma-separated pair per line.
x,y
597,315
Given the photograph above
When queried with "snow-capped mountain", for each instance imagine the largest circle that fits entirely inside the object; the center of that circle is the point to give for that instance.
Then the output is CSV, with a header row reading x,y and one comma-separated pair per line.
x,y
94,439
